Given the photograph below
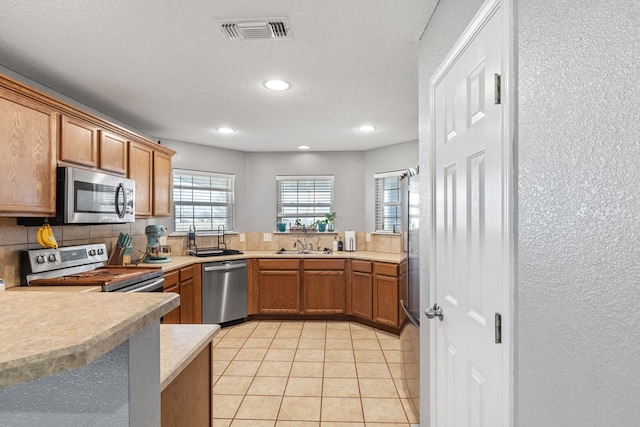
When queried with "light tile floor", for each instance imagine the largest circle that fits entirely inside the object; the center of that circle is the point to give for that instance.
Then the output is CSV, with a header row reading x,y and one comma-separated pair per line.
x,y
308,374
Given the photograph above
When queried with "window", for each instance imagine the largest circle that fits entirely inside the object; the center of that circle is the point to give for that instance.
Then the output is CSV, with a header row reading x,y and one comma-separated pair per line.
x,y
306,197
388,209
202,199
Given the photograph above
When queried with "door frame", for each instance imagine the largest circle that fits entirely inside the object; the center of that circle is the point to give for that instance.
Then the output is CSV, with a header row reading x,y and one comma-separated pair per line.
x,y
508,114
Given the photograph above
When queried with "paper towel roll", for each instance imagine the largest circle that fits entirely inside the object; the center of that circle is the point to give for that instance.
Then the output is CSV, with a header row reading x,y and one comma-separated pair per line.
x,y
350,241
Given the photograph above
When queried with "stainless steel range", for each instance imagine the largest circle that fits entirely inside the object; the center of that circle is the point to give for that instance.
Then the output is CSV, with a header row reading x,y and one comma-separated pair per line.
x,y
84,265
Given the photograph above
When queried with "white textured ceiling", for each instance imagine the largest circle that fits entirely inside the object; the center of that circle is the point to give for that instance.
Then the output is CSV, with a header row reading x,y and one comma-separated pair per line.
x,y
163,67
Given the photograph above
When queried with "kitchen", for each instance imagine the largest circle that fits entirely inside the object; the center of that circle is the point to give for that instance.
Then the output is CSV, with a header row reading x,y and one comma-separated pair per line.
x,y
353,191
570,210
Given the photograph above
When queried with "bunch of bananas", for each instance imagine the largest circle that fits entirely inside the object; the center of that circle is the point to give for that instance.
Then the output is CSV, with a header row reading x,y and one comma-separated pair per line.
x,y
45,236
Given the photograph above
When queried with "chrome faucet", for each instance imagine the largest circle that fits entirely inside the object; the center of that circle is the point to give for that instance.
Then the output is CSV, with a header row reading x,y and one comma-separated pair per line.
x,y
302,245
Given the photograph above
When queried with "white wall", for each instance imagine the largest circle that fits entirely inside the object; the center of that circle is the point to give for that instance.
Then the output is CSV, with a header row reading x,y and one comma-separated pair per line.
x,y
385,159
256,178
347,167
577,289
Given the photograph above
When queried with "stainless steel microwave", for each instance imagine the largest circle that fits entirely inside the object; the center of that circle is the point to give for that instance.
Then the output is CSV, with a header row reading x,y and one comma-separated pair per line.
x,y
89,197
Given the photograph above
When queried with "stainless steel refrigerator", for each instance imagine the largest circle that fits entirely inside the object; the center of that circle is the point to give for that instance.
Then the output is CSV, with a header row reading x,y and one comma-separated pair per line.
x,y
410,303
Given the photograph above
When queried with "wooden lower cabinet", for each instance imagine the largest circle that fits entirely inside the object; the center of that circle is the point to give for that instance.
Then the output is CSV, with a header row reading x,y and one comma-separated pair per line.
x,y
324,286
188,283
362,289
187,401
172,284
279,286
386,293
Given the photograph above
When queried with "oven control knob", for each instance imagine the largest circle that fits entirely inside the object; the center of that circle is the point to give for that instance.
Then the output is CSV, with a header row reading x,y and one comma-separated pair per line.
x,y
40,259
100,251
92,252
52,258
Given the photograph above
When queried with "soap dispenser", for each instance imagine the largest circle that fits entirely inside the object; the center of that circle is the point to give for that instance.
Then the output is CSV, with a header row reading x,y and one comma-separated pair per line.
x,y
340,245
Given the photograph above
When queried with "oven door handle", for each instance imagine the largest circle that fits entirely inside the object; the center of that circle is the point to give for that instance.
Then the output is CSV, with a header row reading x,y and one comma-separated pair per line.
x,y
153,285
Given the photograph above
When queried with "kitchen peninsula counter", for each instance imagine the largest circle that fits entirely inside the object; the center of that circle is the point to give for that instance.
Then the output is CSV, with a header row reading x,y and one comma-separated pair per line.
x,y
179,345
45,333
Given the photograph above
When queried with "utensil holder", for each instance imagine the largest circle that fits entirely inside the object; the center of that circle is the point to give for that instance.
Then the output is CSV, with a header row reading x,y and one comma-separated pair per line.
x,y
120,256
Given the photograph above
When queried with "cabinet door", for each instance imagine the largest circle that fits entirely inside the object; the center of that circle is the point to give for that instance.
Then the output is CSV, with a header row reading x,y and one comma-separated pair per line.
x,y
279,291
362,294
113,153
171,284
161,184
191,294
140,169
78,142
28,137
187,302
385,300
324,291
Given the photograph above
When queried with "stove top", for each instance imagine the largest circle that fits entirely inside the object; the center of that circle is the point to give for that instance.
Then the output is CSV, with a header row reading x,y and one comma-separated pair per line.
x,y
109,278
82,265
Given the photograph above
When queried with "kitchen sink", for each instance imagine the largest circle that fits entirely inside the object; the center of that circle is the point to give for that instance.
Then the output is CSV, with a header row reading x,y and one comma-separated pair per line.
x,y
296,252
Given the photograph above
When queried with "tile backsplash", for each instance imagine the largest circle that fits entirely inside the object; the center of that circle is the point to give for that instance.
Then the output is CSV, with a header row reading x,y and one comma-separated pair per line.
x,y
14,238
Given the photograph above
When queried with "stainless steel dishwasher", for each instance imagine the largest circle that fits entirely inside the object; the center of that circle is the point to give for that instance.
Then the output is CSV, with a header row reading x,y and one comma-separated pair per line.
x,y
224,291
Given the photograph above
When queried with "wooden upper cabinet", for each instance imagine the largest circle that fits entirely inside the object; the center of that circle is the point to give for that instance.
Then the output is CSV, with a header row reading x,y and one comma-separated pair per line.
x,y
141,170
161,184
78,141
113,152
28,138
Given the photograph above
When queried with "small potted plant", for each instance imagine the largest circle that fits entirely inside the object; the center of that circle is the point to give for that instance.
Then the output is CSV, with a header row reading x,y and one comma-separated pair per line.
x,y
328,219
297,226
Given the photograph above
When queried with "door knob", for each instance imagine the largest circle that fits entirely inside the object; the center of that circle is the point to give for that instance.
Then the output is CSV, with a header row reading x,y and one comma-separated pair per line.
x,y
434,311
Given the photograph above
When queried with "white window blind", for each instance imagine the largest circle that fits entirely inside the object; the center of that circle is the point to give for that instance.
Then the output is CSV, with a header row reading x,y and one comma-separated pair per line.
x,y
388,209
202,199
306,197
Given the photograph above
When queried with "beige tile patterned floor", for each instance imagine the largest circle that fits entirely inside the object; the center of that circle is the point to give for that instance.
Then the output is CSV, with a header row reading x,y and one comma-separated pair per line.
x,y
308,374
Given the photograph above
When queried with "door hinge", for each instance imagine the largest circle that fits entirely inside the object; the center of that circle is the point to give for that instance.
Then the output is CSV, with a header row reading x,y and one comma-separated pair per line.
x,y
496,94
498,328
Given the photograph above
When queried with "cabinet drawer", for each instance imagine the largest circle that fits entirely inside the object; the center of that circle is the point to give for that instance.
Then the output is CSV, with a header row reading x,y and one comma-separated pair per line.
x,y
170,279
186,273
386,269
323,264
278,264
362,266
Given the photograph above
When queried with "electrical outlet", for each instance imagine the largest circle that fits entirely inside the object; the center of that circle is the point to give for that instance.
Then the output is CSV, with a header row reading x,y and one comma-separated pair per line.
x,y
242,237
266,237
368,237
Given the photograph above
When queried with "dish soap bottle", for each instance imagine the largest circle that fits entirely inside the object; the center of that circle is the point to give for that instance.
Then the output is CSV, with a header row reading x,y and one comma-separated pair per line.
x,y
340,245
335,245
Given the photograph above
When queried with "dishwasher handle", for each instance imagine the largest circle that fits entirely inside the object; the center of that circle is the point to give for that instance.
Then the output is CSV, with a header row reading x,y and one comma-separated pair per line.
x,y
224,267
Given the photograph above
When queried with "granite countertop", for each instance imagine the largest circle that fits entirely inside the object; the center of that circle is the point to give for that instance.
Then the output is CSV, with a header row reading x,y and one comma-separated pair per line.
x,y
179,345
185,261
45,333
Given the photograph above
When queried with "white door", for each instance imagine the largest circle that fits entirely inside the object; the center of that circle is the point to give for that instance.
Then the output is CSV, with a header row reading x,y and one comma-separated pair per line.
x,y
469,253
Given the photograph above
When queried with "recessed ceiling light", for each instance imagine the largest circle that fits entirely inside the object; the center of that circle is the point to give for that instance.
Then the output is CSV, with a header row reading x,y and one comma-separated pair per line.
x,y
277,85
226,130
303,147
366,128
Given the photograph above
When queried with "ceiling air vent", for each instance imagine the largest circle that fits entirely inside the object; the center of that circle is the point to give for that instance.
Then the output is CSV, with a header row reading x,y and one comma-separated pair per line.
x,y
260,28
